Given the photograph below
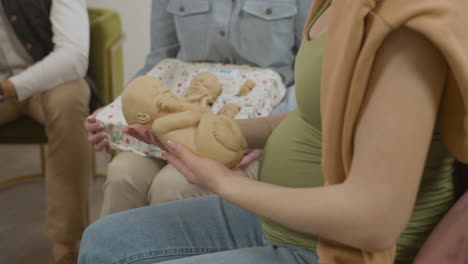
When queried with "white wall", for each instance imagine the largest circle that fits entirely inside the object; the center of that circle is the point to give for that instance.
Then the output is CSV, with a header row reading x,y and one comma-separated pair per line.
x,y
135,16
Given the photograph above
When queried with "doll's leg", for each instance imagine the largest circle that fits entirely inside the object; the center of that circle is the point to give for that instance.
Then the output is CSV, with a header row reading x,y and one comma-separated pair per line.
x,y
224,129
129,177
176,121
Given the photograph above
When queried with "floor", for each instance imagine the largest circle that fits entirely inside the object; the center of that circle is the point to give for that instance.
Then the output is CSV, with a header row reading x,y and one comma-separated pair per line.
x,y
22,235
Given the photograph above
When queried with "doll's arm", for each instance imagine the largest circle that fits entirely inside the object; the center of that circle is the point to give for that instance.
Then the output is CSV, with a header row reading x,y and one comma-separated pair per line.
x,y
193,98
172,104
176,121
204,103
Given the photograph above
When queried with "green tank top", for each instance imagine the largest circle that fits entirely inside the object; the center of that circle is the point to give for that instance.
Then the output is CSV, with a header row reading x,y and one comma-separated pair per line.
x,y
292,158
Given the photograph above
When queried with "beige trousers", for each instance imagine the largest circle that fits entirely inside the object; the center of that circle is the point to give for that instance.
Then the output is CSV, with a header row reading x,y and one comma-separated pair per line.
x,y
135,181
62,110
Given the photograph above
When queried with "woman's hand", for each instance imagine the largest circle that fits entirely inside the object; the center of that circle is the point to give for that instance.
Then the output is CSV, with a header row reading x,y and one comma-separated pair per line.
x,y
141,133
250,155
96,134
206,173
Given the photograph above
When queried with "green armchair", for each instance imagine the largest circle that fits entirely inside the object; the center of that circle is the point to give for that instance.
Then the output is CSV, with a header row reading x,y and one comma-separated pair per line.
x,y
105,72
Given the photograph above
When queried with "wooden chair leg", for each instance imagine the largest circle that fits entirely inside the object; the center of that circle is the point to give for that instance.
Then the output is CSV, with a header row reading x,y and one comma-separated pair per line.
x,y
29,176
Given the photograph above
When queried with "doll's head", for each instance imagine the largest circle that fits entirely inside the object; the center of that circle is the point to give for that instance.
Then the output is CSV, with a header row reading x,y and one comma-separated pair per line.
x,y
205,83
230,110
139,100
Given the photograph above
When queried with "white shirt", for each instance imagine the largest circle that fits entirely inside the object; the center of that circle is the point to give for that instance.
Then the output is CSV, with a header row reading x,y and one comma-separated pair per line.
x,y
13,56
68,61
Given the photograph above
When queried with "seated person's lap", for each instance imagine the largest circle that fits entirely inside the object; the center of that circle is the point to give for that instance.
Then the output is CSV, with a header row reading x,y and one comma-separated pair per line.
x,y
161,232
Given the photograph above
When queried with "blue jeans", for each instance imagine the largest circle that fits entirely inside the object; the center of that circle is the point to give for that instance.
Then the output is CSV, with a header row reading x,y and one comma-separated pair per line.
x,y
204,230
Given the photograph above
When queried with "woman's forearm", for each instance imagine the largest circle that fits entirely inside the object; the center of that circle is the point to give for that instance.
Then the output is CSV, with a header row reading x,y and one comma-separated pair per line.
x,y
257,130
335,212
371,208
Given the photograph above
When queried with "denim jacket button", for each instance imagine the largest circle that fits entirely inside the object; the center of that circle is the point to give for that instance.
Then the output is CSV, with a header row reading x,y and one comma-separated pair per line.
x,y
222,33
182,9
13,19
28,46
268,11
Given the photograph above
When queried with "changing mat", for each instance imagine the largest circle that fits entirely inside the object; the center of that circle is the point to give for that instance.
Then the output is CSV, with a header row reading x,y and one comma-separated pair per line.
x,y
176,74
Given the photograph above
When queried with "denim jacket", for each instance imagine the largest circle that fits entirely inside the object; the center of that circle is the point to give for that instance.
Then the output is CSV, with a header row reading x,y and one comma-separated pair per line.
x,y
262,33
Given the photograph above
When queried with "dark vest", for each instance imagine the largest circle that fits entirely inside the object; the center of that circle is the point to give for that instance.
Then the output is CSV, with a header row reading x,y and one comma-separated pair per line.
x,y
30,20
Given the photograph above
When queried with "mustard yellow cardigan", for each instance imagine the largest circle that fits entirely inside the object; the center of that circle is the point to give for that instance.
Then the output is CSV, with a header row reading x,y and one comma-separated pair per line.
x,y
356,31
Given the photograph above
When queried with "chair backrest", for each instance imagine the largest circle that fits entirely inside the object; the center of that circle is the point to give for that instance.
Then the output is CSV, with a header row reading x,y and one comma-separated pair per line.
x,y
106,54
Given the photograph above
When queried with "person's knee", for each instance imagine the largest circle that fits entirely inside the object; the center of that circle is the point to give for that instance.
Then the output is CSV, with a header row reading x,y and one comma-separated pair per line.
x,y
131,173
170,185
67,100
96,241
119,172
162,191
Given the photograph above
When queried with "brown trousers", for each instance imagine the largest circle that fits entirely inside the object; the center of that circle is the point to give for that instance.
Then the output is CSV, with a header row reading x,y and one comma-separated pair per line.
x,y
62,110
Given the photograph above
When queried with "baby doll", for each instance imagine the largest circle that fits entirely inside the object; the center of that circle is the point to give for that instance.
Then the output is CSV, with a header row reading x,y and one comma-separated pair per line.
x,y
148,102
204,89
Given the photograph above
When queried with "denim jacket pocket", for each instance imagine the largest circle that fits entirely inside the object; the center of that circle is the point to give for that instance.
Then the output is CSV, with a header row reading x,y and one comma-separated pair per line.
x,y
192,19
188,7
270,10
269,27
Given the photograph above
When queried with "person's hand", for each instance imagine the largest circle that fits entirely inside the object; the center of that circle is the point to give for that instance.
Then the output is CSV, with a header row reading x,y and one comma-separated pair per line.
x,y
206,173
96,134
141,133
250,155
8,89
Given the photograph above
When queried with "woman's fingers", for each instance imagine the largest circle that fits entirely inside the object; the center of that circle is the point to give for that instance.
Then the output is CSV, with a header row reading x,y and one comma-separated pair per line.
x,y
94,127
96,134
130,130
203,172
181,152
91,119
141,133
104,144
154,140
96,138
250,155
